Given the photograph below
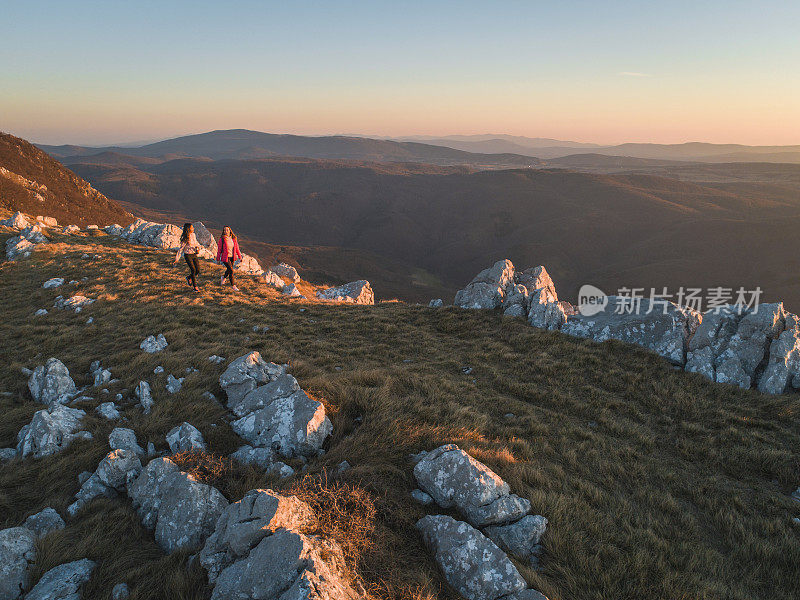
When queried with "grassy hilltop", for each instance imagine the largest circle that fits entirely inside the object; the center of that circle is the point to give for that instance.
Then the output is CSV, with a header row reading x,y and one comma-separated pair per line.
x,y
656,483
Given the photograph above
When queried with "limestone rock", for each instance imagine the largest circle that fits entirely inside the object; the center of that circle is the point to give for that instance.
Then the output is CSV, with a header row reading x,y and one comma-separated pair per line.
x,y
453,478
243,524
51,383
63,582
294,425
115,471
519,538
113,229
436,303
145,396
153,344
264,458
120,592
248,265
53,282
7,454
17,549
291,291
288,565
122,438
44,522
18,247
174,384
206,239
273,279
182,510
108,410
245,373
783,364
71,230
185,438
50,431
664,328
488,288
355,292
17,221
282,386
285,271
470,562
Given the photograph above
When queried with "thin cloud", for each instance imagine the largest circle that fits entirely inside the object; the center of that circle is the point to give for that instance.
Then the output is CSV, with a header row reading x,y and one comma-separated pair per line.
x,y
633,74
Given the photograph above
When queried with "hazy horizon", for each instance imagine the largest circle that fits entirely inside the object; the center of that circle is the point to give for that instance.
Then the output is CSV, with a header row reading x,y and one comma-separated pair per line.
x,y
106,73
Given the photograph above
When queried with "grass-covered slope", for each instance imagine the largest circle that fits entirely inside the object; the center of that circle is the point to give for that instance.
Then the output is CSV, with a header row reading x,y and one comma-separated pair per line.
x,y
656,483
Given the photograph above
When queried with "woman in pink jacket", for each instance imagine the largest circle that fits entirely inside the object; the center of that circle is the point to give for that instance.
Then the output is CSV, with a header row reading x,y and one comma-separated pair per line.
x,y
227,254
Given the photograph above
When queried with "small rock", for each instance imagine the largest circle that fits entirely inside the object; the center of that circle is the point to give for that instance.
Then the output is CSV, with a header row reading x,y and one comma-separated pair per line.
x,y
44,522
120,592
158,370
185,437
190,370
108,410
466,370
216,359
41,312
90,320
52,383
342,467
122,438
509,415
145,397
174,384
421,497
264,458
7,454
208,396
436,303
153,344
53,283
151,449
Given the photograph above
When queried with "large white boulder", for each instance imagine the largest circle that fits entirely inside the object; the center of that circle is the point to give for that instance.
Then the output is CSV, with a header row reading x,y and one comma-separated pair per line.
x,y
285,271
488,288
206,239
248,265
17,221
245,373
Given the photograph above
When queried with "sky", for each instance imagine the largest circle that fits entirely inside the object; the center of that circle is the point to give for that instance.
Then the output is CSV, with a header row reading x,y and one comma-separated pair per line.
x,y
605,72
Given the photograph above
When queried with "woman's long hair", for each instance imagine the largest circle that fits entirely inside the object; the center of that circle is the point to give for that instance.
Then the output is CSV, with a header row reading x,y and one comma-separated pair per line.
x,y
185,234
233,235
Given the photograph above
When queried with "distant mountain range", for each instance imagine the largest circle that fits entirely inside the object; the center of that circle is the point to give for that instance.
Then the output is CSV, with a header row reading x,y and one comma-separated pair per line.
x,y
244,144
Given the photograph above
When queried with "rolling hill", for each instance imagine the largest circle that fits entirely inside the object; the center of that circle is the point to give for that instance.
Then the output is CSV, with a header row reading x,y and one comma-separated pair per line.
x,y
634,230
35,183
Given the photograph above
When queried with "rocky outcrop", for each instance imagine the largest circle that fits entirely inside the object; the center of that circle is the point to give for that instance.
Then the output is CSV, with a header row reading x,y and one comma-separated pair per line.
x,y
743,346
181,510
18,247
664,329
145,396
206,240
51,382
273,411
488,288
248,265
63,582
355,292
291,291
50,431
258,550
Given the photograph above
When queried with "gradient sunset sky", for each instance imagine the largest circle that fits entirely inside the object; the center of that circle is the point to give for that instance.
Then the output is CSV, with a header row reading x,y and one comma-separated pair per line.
x,y
606,72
